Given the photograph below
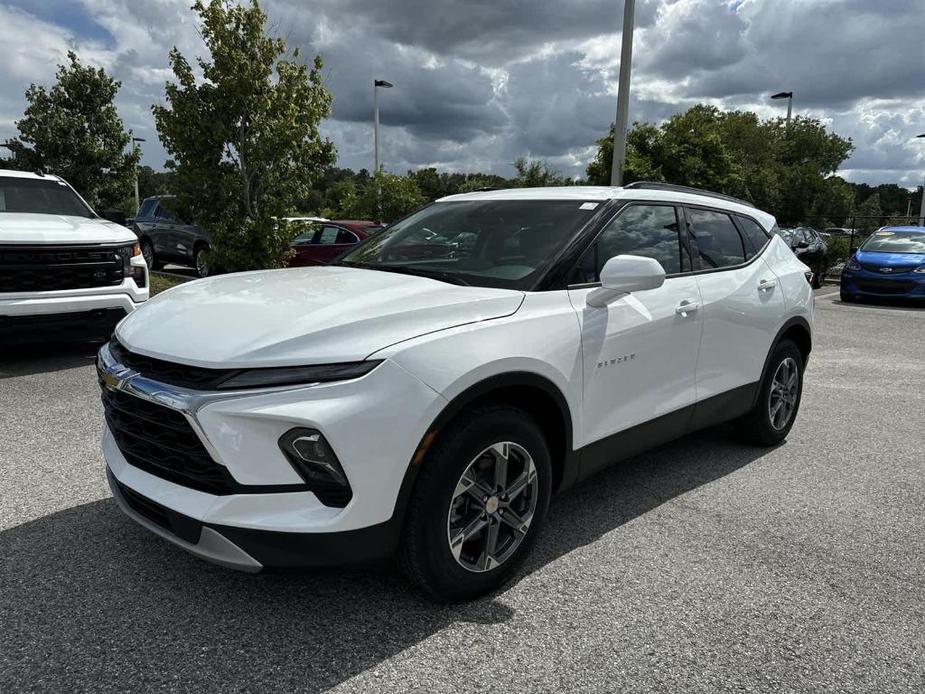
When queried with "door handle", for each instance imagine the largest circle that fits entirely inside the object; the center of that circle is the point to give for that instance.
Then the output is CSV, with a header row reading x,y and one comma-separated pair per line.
x,y
686,307
766,285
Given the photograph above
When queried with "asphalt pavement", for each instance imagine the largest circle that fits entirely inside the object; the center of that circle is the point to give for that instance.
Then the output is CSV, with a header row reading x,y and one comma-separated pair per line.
x,y
704,566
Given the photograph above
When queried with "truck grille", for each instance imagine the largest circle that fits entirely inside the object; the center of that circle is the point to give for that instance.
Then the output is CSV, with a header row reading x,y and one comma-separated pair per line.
x,y
161,441
51,268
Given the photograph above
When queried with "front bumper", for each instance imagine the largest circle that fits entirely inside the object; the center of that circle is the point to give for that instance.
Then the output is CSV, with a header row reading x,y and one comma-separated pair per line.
x,y
249,550
900,285
71,313
372,435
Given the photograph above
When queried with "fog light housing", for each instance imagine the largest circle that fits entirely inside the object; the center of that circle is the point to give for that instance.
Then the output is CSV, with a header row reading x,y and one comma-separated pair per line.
x,y
312,457
138,274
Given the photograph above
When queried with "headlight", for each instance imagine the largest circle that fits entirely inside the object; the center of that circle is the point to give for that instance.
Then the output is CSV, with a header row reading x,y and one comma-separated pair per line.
x,y
920,270
136,250
296,375
852,265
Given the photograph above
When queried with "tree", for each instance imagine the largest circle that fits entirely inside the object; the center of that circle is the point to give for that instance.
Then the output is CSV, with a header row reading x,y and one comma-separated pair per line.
x,y
74,131
779,168
385,197
244,140
533,173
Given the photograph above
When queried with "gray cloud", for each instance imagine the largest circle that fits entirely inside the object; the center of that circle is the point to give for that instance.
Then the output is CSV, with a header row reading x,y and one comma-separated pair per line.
x,y
481,82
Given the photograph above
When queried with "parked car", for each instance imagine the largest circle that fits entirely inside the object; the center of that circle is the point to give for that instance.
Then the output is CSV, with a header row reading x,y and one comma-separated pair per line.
x,y
810,248
890,263
66,273
839,231
431,407
323,240
166,237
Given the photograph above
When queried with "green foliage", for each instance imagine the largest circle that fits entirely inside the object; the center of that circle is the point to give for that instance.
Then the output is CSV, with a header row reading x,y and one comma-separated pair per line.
x,y
73,130
785,170
244,140
534,173
385,197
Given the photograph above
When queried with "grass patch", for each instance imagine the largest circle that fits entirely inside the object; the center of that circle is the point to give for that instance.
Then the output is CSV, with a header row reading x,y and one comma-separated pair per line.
x,y
161,282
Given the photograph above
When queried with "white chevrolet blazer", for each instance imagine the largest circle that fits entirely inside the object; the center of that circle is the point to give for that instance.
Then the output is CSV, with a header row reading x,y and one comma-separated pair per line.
x,y
65,272
427,394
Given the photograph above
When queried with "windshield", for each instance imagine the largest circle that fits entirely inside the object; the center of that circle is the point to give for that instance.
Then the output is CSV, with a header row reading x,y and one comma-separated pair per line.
x,y
41,197
896,242
490,243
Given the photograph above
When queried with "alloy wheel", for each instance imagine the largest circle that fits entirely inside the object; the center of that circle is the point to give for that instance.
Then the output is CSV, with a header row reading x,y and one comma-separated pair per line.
x,y
202,265
147,252
785,388
492,507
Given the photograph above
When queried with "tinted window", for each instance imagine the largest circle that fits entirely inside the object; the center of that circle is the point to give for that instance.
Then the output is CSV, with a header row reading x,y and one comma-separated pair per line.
x,y
756,236
507,243
40,196
344,236
163,213
718,240
647,230
147,209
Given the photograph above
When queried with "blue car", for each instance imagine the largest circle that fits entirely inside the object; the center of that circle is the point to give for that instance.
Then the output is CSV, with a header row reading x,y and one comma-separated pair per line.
x,y
889,264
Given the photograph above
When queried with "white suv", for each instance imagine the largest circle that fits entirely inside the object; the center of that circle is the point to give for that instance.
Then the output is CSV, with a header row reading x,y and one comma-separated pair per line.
x,y
65,272
428,393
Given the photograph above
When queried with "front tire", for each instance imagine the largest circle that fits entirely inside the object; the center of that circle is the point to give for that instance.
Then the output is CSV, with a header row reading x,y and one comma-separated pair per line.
x,y
201,261
147,252
847,298
478,504
772,417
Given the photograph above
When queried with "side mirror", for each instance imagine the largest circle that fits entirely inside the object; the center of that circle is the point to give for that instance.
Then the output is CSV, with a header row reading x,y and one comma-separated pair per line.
x,y
116,216
625,274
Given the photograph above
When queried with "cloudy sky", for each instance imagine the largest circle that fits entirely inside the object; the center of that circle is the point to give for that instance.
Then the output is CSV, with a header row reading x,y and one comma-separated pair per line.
x,y
482,82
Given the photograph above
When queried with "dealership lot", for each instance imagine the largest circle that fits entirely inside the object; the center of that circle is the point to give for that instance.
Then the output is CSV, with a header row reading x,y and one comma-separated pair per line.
x,y
702,566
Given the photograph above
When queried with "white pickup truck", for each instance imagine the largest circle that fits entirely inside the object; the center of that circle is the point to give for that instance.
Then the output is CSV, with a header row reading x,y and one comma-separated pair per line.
x,y
65,272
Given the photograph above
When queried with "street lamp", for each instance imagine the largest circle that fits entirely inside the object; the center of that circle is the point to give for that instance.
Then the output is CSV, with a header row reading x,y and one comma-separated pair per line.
x,y
376,85
789,97
135,141
922,206
623,95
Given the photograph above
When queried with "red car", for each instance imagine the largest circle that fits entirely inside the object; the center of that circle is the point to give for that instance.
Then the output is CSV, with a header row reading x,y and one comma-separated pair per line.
x,y
323,240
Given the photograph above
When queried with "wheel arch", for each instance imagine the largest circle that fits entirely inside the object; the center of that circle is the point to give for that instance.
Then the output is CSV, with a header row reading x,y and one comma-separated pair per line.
x,y
535,394
799,331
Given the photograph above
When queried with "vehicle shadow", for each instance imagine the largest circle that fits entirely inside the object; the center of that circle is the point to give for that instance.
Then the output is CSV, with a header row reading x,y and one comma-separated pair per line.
x,y
28,359
913,305
86,596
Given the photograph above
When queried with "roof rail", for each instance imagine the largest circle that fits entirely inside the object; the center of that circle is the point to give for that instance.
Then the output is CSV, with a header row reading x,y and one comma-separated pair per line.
x,y
654,185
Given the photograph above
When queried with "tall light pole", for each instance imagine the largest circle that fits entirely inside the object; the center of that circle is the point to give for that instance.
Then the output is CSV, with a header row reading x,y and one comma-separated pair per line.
x,y
135,141
922,206
376,85
623,95
789,97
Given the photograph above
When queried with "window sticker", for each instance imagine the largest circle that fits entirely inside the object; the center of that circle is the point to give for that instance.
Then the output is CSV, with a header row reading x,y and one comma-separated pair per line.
x,y
588,206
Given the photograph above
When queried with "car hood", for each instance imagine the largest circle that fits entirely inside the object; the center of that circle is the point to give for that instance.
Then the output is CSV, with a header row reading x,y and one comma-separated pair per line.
x,y
302,316
20,228
897,260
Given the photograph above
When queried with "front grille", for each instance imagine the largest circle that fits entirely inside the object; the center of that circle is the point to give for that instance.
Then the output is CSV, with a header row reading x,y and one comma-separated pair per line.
x,y
52,268
886,286
193,377
161,441
898,270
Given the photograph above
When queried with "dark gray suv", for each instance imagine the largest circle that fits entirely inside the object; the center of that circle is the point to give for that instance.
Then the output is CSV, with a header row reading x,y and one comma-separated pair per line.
x,y
165,236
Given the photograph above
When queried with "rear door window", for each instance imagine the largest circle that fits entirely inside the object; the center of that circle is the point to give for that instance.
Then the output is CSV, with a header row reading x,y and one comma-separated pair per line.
x,y
718,240
756,236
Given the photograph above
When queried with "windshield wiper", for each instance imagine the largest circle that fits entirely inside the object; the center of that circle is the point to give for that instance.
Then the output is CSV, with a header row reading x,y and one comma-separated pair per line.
x,y
447,277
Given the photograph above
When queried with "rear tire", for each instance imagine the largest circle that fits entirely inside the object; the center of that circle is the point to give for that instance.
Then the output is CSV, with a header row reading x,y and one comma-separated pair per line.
x,y
460,489
818,276
772,417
